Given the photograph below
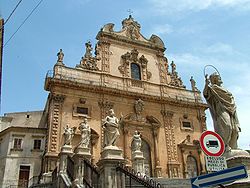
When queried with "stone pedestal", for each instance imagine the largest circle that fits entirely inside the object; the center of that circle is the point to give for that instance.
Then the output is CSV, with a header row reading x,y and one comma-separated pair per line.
x,y
81,154
112,152
65,152
138,162
111,156
237,161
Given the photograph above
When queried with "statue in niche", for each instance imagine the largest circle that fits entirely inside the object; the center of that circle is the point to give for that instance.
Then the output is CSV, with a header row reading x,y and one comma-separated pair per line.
x,y
85,133
68,134
60,56
136,142
223,110
111,129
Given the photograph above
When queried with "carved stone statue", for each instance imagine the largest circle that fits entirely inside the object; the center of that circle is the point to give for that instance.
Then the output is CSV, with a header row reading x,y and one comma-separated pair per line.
x,y
89,49
223,110
136,142
60,56
85,133
193,84
68,134
111,129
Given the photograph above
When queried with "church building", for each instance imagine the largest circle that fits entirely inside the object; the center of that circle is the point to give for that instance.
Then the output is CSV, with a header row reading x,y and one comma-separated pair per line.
x,y
130,74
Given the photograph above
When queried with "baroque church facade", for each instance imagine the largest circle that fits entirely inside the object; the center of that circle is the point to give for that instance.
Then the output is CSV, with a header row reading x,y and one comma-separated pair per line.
x,y
130,74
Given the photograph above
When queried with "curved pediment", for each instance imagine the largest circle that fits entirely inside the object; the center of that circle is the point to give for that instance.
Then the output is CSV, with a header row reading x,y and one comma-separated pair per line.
x,y
131,31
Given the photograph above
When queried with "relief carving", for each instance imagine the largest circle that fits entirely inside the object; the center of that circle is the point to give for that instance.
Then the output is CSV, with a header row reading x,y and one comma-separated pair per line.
x,y
138,109
170,137
132,28
132,57
58,100
103,53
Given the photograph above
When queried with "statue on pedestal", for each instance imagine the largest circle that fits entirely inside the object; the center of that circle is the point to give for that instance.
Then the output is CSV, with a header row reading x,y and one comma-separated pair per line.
x,y
60,56
85,133
136,142
68,134
223,110
111,129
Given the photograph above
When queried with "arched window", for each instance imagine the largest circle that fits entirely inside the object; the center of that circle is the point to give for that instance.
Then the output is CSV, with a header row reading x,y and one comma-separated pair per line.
x,y
135,71
191,167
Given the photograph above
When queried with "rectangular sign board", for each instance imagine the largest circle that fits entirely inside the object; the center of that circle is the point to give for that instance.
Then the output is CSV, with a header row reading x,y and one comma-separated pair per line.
x,y
220,177
215,164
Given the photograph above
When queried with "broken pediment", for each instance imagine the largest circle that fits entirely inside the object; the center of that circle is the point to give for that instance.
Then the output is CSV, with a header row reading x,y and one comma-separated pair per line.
x,y
131,30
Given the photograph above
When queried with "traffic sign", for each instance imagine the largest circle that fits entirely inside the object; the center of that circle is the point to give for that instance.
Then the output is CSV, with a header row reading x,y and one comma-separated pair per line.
x,y
212,144
215,164
220,177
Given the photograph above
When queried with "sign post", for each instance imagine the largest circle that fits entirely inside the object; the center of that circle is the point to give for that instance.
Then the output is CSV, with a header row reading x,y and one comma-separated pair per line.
x,y
220,177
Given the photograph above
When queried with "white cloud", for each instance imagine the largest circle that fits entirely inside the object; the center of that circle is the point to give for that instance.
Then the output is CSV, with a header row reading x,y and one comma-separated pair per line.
x,y
162,29
169,6
219,48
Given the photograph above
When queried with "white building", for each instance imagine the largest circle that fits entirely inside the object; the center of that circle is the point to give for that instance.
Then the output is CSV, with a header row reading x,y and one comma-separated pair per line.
x,y
22,143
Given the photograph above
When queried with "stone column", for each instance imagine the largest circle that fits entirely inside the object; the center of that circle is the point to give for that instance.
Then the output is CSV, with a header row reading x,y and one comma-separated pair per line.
x,y
157,161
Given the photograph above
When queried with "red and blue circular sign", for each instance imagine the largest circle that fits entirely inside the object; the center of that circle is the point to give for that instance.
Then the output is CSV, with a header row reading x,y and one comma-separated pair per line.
x,y
212,144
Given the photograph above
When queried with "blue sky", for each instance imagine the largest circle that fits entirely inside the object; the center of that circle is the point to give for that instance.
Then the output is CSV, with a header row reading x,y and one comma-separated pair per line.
x,y
195,33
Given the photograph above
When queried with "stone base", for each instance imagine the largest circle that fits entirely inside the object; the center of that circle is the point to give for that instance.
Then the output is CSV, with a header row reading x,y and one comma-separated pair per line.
x,y
235,153
237,161
66,149
83,151
111,152
137,155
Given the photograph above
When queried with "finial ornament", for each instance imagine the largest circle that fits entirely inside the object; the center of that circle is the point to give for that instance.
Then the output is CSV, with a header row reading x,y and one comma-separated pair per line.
x,y
60,56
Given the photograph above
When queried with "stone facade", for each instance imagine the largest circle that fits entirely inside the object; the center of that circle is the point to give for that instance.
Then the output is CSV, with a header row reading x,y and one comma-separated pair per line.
x,y
130,74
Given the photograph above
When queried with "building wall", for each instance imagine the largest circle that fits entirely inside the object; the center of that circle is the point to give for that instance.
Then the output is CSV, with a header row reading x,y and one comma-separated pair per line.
x,y
167,103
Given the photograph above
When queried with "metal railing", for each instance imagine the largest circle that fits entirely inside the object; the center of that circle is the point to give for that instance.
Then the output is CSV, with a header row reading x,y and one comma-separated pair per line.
x,y
91,175
133,178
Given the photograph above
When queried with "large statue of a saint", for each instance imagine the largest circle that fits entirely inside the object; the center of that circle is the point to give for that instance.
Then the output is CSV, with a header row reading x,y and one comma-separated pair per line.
x,y
111,129
85,133
223,110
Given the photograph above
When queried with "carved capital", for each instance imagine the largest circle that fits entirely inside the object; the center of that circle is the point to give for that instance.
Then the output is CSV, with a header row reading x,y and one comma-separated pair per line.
x,y
58,98
106,104
167,114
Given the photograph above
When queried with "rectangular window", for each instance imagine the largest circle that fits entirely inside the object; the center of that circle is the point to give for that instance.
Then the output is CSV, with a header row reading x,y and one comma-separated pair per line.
x,y
37,144
186,124
82,110
17,143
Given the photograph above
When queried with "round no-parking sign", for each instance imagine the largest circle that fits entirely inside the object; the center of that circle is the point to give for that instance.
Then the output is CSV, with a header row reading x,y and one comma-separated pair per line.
x,y
212,144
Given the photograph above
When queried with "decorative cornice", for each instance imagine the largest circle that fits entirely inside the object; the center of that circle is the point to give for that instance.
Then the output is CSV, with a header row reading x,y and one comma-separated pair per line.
x,y
120,93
